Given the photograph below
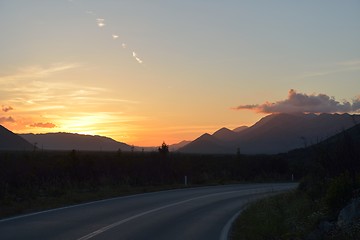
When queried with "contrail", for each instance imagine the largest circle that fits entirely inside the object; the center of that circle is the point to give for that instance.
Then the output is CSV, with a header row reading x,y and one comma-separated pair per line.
x,y
100,22
136,57
138,60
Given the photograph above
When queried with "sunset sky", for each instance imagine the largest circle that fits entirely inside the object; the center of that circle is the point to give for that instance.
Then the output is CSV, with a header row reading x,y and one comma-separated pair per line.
x,y
143,71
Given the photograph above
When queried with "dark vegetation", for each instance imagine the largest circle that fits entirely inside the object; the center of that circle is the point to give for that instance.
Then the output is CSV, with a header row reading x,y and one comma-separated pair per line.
x,y
39,179
328,173
331,180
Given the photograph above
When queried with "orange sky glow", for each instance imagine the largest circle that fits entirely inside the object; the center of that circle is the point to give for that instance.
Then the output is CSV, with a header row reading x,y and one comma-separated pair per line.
x,y
145,72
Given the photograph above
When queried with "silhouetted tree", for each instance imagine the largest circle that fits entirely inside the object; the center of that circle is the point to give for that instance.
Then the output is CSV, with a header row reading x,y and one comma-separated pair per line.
x,y
164,149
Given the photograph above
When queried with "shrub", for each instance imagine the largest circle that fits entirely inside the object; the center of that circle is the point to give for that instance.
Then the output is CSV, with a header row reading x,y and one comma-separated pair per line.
x,y
338,192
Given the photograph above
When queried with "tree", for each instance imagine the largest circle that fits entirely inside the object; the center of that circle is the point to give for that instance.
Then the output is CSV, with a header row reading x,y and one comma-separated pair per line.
x,y
164,149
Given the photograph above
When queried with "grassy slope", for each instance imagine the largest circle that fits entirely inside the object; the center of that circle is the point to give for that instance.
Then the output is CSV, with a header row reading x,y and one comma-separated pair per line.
x,y
284,216
333,175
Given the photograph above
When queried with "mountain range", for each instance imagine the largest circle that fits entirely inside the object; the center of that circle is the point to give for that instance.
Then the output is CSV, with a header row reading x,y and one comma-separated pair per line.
x,y
274,133
68,141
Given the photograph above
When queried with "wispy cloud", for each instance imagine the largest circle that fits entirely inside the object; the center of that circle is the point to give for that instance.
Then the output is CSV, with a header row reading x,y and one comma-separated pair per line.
x,y
114,36
6,119
350,63
100,22
340,67
90,12
43,125
38,71
123,45
300,102
6,108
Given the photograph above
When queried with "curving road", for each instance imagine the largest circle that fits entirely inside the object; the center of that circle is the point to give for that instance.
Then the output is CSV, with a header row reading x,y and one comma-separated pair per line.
x,y
194,213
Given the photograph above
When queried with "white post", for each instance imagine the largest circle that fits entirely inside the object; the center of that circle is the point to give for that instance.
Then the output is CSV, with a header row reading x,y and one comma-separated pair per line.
x,y
185,180
292,177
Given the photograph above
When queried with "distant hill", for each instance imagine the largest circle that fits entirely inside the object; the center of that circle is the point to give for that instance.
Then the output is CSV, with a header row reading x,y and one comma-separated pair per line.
x,y
275,133
69,141
345,145
176,146
11,141
348,136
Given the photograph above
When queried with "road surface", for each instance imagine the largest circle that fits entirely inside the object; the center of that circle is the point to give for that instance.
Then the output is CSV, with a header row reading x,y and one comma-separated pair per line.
x,y
194,213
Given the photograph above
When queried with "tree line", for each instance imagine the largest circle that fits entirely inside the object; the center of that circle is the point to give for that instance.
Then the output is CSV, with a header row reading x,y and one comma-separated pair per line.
x,y
26,175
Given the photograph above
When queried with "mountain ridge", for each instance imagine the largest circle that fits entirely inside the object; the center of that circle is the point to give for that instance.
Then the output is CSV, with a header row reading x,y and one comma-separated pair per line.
x,y
277,133
69,141
13,142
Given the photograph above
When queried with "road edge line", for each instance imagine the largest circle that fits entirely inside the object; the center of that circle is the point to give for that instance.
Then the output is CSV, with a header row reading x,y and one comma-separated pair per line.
x,y
226,229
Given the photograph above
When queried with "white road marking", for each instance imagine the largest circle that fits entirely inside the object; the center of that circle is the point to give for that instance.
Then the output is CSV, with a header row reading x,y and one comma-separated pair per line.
x,y
85,204
103,229
226,229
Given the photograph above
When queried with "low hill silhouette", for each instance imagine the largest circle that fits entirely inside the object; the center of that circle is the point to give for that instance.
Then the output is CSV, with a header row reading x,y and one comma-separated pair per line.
x,y
69,141
273,134
13,142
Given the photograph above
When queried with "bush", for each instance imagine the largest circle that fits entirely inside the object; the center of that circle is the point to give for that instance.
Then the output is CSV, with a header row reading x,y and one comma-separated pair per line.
x,y
338,193
313,186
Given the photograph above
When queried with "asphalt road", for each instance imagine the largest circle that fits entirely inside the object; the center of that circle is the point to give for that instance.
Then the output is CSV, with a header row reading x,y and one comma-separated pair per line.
x,y
194,213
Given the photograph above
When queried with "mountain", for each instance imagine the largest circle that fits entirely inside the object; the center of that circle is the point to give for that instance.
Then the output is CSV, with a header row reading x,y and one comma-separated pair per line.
x,y
345,144
69,141
176,146
225,134
11,141
206,143
239,129
278,133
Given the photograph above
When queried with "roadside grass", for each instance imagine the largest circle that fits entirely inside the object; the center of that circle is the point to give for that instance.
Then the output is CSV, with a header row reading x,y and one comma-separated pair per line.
x,y
290,215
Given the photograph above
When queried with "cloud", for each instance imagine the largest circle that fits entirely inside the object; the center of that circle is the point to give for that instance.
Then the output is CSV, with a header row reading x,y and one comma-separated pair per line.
x,y
340,67
355,63
114,36
6,108
300,102
100,22
123,45
6,119
356,104
43,125
38,71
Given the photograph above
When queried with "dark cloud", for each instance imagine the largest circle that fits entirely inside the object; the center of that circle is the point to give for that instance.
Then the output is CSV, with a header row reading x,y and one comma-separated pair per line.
x,y
6,108
43,125
300,102
6,119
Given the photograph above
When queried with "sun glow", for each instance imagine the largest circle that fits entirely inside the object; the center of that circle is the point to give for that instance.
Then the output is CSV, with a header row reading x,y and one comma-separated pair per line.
x,y
112,69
